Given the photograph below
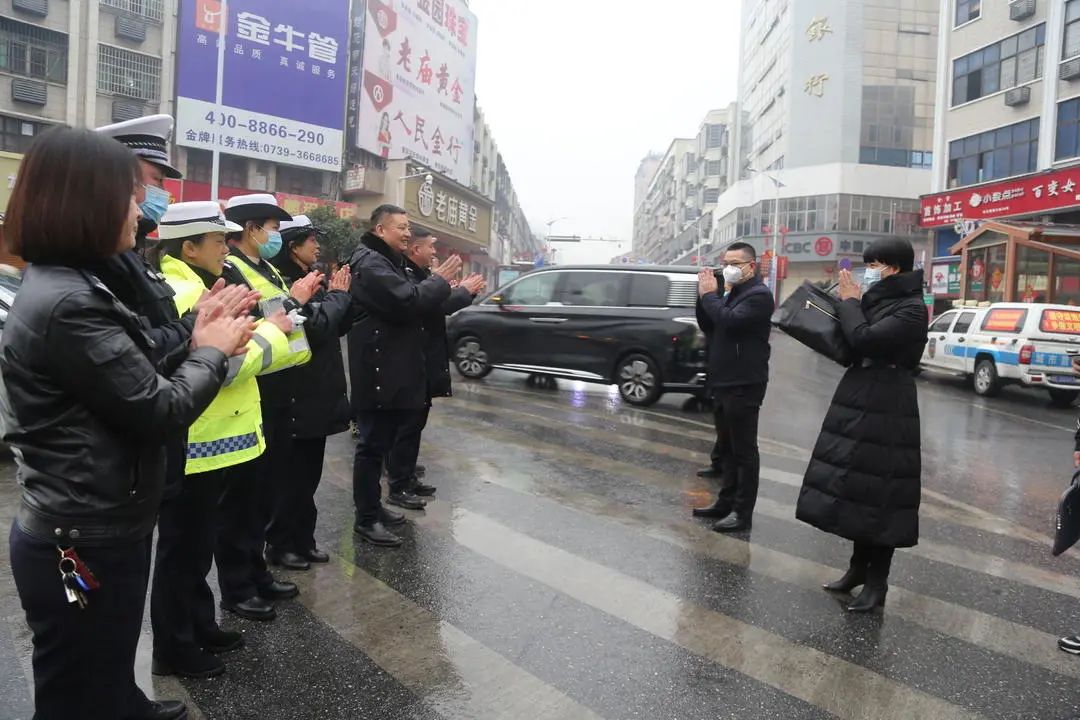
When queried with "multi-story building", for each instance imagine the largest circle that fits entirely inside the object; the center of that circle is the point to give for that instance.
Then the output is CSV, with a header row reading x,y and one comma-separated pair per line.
x,y
663,213
1007,145
673,212
832,142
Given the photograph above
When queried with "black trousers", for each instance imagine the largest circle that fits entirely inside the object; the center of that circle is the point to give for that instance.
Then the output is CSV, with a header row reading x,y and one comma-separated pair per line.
x,y
735,415
84,660
241,535
292,525
401,460
376,433
181,601
876,559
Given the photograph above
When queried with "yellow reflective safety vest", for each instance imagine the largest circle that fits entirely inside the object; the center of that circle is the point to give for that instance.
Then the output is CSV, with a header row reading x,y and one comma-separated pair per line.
x,y
299,349
230,431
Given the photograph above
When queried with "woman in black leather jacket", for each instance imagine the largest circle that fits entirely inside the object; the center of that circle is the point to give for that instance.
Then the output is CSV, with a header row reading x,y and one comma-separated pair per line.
x,y
87,416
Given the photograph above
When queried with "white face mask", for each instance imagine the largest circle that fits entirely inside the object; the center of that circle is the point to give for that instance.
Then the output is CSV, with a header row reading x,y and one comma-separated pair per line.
x,y
732,274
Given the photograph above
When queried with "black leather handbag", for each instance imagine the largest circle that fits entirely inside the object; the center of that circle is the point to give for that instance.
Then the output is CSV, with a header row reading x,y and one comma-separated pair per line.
x,y
810,316
1067,523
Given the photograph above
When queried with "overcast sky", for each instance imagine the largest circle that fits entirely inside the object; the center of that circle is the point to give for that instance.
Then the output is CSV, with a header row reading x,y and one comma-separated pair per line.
x,y
576,92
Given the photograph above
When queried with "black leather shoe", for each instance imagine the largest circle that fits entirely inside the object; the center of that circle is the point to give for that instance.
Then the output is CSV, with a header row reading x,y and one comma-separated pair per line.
x,y
189,662
422,489
407,501
710,473
421,471
869,599
316,555
254,608
377,534
852,579
717,510
164,710
390,518
218,641
279,590
732,522
289,560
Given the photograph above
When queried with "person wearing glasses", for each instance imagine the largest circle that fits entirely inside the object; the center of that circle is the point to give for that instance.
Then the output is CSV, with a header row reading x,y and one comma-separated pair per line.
x,y
736,321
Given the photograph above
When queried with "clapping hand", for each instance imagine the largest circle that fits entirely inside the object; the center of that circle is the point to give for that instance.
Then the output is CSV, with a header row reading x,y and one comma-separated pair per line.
x,y
214,329
707,282
849,289
305,288
449,269
475,283
342,279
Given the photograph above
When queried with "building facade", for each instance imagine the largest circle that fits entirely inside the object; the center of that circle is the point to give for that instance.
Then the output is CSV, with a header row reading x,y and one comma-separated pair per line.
x,y
832,141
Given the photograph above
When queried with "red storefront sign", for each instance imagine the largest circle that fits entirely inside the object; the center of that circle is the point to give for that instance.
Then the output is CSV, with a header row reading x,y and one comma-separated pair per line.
x,y
1028,195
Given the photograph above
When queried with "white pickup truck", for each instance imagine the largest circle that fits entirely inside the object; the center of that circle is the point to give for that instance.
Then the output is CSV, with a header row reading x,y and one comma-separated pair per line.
x,y
1029,344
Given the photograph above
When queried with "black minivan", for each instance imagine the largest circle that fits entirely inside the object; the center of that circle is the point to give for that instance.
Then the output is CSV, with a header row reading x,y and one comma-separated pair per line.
x,y
632,326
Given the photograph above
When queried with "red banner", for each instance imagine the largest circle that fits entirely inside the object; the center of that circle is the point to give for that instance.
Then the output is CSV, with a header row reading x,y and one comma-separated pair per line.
x,y
1028,195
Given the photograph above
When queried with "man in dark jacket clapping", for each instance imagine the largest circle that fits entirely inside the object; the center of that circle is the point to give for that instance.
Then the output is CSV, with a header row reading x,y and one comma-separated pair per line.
x,y
736,322
387,364
401,462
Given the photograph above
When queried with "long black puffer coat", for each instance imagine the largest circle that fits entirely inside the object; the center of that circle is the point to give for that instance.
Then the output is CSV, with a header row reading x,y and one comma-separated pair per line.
x,y
863,481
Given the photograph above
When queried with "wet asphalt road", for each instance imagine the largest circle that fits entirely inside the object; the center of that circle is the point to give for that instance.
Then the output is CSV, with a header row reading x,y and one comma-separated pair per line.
x,y
559,575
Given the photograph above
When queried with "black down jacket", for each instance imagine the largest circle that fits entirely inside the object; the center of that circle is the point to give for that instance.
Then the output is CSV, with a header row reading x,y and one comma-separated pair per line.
x,y
86,412
320,405
863,481
387,365
436,345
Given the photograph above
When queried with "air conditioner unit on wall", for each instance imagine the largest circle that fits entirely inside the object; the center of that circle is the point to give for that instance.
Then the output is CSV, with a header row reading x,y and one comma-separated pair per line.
x,y
31,92
1021,9
1018,96
124,110
1070,69
33,7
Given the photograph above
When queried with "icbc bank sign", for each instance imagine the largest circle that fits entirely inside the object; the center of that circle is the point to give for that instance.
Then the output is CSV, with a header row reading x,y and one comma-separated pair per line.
x,y
1029,195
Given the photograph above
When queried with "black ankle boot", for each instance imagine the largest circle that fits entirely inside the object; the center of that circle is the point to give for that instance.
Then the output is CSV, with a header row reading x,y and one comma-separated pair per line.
x,y
852,579
871,597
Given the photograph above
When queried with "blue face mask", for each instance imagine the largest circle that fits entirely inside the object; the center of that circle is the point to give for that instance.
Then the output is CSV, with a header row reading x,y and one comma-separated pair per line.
x,y
872,277
155,204
270,249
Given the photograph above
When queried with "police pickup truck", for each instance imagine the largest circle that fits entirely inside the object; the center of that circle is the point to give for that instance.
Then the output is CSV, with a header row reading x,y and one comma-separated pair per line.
x,y
1009,343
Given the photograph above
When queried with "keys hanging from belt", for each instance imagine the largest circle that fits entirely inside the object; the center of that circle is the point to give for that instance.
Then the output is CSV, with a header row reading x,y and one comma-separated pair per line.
x,y
75,577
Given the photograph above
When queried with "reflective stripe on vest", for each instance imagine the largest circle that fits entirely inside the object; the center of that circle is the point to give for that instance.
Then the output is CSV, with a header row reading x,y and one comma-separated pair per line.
x,y
213,448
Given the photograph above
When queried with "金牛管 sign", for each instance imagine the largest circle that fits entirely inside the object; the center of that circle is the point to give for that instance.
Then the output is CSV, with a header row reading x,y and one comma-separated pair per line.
x,y
283,93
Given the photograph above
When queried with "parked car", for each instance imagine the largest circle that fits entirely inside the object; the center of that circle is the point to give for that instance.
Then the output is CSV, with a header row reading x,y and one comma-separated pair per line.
x,y
632,326
1009,343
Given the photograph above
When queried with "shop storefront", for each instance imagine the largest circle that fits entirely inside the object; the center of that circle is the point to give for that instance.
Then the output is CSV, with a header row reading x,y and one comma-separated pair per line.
x,y
1020,262
458,217
9,168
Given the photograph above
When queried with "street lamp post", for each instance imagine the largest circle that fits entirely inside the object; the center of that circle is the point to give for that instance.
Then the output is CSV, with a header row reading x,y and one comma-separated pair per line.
x,y
215,162
777,184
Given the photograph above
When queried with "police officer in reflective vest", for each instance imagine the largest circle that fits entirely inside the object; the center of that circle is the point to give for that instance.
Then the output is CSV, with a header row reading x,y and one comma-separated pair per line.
x,y
248,589
223,445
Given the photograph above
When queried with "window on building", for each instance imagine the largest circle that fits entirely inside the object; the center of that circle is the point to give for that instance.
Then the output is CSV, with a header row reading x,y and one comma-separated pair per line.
x,y
967,10
714,168
1032,274
714,136
1013,61
1011,150
299,181
711,195
1068,130
149,9
1066,280
33,51
127,73
233,171
16,134
199,165
1071,45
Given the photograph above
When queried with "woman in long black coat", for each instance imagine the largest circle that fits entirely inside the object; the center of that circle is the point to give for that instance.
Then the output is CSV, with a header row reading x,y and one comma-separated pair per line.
x,y
863,481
